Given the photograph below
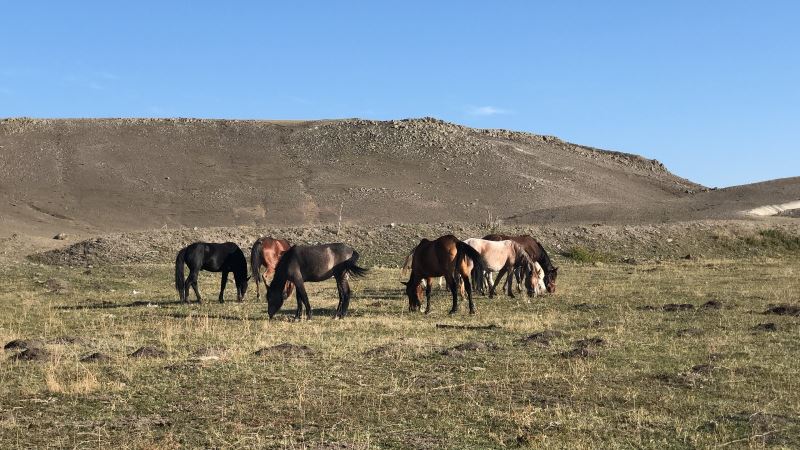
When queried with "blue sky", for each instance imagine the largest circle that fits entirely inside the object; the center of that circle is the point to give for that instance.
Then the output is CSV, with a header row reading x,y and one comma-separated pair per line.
x,y
710,88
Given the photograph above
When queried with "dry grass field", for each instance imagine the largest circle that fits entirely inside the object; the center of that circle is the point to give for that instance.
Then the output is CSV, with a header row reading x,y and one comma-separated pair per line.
x,y
606,362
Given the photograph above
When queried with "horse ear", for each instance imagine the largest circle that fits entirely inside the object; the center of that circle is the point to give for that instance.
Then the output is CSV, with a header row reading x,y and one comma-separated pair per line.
x,y
248,278
404,283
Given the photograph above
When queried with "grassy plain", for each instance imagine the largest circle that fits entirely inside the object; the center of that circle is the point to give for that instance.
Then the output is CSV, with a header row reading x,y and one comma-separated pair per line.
x,y
384,378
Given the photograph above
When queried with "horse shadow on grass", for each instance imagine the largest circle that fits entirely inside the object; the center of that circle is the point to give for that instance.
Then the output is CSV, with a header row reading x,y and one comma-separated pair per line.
x,y
114,305
382,294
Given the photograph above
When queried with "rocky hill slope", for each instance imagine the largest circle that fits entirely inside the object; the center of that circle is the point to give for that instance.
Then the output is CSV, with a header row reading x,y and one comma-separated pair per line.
x,y
98,175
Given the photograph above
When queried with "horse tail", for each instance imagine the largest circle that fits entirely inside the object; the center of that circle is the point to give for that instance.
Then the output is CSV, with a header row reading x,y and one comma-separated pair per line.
x,y
256,259
351,267
179,281
479,263
408,262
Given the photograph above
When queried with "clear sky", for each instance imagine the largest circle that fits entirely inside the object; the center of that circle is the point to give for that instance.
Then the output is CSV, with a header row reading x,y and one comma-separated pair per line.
x,y
710,88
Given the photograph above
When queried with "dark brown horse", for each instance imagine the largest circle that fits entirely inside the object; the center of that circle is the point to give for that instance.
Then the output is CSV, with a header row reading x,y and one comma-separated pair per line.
x,y
537,253
267,251
446,256
303,263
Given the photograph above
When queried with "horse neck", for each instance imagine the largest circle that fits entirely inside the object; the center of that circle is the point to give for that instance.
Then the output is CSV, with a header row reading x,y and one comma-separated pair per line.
x,y
544,259
280,276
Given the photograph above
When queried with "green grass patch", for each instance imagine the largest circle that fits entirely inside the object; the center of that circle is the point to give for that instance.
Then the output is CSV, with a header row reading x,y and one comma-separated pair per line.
x,y
582,254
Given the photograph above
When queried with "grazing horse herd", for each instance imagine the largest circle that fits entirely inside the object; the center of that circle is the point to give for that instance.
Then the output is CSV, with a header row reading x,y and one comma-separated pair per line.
x,y
464,266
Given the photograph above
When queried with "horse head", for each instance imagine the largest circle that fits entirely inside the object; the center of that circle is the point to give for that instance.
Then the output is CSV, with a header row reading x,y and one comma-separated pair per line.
x,y
550,279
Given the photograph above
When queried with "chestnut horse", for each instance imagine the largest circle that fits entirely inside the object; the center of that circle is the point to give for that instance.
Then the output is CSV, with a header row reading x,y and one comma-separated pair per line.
x,y
446,256
267,252
537,253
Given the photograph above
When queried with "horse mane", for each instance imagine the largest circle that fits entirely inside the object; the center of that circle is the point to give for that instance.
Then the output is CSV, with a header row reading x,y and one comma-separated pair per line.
x,y
520,250
545,262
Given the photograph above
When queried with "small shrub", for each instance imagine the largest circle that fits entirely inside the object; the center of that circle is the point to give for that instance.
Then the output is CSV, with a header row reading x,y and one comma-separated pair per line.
x,y
775,239
582,254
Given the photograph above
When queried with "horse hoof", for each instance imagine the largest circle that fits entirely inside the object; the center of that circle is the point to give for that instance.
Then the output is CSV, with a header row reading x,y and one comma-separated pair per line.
x,y
453,311
472,311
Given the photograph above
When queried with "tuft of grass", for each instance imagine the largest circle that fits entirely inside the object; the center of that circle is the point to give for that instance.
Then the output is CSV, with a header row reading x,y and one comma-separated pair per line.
x,y
775,239
581,254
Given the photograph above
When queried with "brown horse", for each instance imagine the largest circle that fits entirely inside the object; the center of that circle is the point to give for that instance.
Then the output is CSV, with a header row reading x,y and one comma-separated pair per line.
x,y
537,253
267,252
446,256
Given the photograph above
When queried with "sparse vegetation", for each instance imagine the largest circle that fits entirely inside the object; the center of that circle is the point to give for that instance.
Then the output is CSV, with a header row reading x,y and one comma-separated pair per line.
x,y
620,371
775,239
581,254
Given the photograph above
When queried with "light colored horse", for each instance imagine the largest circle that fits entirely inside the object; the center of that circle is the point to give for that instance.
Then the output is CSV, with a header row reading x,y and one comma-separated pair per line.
x,y
538,277
503,257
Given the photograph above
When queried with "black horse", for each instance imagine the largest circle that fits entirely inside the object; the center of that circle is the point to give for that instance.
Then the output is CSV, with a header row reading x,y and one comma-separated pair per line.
x,y
225,258
303,263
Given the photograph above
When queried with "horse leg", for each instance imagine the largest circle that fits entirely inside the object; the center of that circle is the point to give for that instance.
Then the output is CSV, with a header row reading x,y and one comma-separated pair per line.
x,y
451,283
192,280
302,296
493,287
345,296
338,312
428,287
222,286
510,281
464,273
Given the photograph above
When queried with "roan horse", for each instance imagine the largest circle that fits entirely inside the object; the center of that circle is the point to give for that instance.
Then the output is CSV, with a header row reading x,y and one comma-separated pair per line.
x,y
303,263
225,258
267,252
448,257
537,253
504,256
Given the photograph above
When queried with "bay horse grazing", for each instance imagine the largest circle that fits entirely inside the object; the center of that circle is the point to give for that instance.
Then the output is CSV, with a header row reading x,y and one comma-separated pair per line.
x,y
446,256
267,252
537,253
225,258
504,257
313,263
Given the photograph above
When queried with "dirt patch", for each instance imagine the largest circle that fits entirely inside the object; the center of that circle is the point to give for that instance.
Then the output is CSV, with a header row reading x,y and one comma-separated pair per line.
x,y
96,357
472,346
543,338
674,307
580,352
32,354
67,340
285,349
57,286
22,344
767,327
689,332
696,375
148,352
468,327
595,341
712,304
210,353
784,310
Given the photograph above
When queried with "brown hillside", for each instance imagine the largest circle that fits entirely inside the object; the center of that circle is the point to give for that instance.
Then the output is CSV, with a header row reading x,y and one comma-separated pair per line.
x,y
121,174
